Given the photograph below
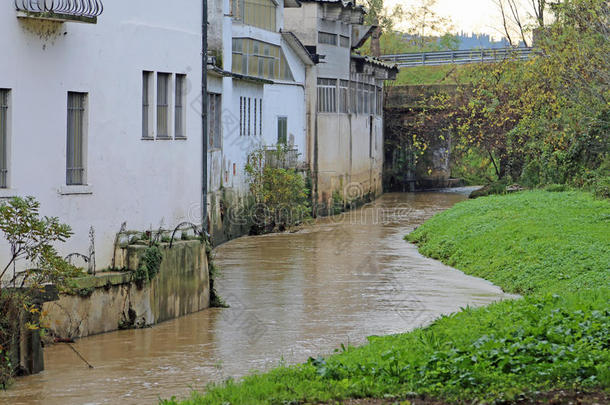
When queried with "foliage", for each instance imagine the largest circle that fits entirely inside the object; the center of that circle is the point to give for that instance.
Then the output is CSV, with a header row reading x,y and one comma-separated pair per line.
x,y
556,337
280,195
31,238
545,120
150,263
11,305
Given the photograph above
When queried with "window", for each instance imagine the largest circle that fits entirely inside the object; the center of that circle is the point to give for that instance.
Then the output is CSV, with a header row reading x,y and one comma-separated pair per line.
x,y
282,130
241,116
379,103
249,126
4,115
344,41
327,95
75,153
146,105
260,116
162,105
215,120
260,59
361,106
179,110
327,38
258,13
343,96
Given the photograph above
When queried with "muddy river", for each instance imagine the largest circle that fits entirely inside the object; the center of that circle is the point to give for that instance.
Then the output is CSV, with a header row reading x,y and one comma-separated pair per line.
x,y
292,296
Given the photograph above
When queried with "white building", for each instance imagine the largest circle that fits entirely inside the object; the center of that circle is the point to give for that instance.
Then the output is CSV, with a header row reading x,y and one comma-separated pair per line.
x,y
345,100
260,78
99,117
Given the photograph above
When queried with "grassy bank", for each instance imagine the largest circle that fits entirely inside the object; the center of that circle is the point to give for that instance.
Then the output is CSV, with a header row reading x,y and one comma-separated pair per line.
x,y
554,248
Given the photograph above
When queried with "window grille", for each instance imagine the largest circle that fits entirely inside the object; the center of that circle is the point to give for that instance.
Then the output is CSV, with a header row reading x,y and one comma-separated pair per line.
x,y
257,13
327,38
241,116
260,113
4,113
179,111
260,59
343,96
75,154
327,95
249,125
162,105
344,41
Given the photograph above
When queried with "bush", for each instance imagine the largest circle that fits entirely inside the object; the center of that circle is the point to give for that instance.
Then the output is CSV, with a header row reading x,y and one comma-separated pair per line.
x,y
280,195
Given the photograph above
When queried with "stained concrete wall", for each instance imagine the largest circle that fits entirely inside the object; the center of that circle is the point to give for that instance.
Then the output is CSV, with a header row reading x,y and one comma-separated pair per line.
x,y
181,287
350,155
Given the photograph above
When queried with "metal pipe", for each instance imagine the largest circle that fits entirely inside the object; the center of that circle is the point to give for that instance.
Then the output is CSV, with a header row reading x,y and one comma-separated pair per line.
x,y
204,115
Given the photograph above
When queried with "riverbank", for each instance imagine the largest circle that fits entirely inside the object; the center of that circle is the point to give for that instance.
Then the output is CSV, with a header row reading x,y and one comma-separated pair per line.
x,y
551,247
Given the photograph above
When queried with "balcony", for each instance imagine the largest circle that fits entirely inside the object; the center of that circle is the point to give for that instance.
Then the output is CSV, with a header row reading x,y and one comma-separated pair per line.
x,y
82,11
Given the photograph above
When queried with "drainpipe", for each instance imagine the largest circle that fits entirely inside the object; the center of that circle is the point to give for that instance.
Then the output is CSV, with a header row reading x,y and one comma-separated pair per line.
x,y
204,114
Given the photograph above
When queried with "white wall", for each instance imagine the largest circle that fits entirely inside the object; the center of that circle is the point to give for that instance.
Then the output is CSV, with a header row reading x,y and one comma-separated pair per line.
x,y
129,179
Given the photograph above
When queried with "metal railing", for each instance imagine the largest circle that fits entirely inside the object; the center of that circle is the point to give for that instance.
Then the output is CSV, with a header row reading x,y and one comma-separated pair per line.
x,y
79,8
461,57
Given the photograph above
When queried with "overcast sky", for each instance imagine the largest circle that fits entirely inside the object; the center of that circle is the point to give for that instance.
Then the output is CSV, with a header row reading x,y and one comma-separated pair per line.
x,y
480,16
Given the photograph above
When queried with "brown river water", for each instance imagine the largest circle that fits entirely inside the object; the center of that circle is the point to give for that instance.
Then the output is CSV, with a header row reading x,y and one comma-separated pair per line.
x,y
292,296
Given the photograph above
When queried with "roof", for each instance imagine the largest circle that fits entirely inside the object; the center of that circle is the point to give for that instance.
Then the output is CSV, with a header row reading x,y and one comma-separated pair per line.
x,y
375,62
216,71
369,31
297,46
344,3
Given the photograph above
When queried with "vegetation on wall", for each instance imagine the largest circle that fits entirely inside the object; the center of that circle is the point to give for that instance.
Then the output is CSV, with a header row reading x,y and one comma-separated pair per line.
x,y
149,265
280,196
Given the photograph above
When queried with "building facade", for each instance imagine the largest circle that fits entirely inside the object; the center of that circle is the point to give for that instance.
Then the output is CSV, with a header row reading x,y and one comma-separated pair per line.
x,y
259,73
99,119
345,100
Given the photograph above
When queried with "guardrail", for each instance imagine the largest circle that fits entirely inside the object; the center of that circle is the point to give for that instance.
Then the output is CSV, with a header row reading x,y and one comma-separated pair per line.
x,y
461,57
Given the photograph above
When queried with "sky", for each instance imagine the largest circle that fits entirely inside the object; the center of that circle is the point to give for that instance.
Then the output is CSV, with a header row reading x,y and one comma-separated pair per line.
x,y
479,16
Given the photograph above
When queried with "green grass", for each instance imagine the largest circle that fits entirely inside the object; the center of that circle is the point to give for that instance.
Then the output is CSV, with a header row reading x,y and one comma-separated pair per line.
x,y
454,74
552,247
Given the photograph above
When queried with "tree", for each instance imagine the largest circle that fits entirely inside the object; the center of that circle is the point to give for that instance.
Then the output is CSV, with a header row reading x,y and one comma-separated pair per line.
x,y
31,238
383,21
425,23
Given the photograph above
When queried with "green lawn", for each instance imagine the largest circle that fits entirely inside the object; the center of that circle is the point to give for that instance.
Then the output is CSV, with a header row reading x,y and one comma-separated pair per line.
x,y
554,248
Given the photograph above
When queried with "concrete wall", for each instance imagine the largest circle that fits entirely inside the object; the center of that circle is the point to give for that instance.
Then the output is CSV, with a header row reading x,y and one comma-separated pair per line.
x,y
350,155
128,179
180,288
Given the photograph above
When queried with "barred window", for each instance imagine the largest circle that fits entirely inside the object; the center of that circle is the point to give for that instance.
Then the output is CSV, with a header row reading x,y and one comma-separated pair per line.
x,y
327,95
327,38
180,111
215,120
260,116
4,114
344,41
361,99
163,105
353,97
75,153
147,102
343,96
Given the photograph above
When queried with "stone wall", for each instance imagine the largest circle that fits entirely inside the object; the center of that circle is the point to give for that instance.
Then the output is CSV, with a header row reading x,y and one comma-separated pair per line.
x,y
111,301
